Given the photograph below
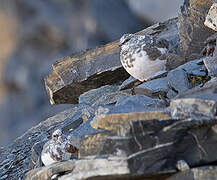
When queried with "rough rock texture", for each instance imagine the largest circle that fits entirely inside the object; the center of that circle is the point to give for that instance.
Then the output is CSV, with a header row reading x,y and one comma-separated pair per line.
x,y
192,30
211,19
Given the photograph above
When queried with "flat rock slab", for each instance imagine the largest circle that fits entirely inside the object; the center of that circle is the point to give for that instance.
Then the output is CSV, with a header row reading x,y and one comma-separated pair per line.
x,y
99,168
102,96
178,80
72,76
154,87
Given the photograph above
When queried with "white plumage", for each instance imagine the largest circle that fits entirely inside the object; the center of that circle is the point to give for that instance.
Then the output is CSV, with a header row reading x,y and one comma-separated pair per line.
x,y
141,56
59,148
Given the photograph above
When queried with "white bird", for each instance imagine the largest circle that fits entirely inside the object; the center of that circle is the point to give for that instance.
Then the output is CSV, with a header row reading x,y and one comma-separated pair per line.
x,y
59,148
142,55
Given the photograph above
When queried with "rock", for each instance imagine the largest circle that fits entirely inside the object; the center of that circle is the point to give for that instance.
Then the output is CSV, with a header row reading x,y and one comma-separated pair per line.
x,y
153,88
107,167
171,94
128,83
102,96
207,92
192,30
211,65
92,69
137,103
198,173
107,121
173,61
194,108
211,20
178,80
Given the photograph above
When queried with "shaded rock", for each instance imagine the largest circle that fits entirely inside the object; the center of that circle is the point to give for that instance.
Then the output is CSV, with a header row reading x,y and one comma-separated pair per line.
x,y
128,83
102,96
137,103
173,61
171,94
153,88
107,121
92,96
90,167
192,66
205,172
192,30
211,19
111,98
207,92
211,65
194,108
178,80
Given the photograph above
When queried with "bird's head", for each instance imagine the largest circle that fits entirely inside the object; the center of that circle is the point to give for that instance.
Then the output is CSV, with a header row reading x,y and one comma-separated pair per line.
x,y
56,134
125,38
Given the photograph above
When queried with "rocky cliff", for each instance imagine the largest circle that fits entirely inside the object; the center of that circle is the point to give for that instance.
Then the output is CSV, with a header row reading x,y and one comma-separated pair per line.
x,y
166,130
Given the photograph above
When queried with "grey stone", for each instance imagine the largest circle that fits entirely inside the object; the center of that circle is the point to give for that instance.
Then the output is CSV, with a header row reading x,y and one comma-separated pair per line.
x,y
192,107
207,92
211,65
154,86
128,83
178,80
192,30
211,19
198,173
102,96
171,94
137,103
90,167
192,66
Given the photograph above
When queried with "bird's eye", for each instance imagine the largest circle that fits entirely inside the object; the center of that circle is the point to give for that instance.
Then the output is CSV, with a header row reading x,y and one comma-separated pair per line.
x,y
126,40
54,135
